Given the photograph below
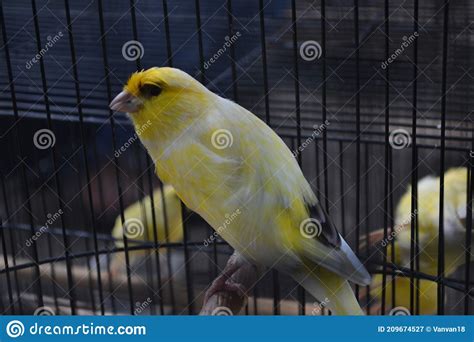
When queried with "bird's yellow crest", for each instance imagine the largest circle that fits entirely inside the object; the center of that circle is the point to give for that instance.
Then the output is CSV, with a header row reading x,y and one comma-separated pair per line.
x,y
139,79
162,96
168,79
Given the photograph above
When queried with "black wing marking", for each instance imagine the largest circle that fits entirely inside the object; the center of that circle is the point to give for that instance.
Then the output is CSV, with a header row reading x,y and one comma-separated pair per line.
x,y
328,234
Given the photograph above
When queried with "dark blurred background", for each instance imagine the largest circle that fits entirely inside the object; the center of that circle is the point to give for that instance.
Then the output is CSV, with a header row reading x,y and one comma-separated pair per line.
x,y
37,182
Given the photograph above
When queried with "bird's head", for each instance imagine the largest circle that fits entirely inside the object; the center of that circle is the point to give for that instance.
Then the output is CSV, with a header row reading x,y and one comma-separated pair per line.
x,y
161,94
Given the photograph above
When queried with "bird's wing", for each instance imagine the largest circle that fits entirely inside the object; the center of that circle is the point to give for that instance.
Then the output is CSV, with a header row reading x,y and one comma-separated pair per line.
x,y
328,232
276,167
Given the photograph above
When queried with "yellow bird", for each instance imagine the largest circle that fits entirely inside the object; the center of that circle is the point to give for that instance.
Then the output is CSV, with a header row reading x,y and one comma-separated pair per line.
x,y
455,205
224,162
139,225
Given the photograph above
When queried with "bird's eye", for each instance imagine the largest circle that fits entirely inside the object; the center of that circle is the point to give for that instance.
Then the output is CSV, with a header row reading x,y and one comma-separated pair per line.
x,y
150,90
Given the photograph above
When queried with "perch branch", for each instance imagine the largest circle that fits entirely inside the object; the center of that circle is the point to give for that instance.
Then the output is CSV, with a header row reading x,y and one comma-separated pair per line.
x,y
245,277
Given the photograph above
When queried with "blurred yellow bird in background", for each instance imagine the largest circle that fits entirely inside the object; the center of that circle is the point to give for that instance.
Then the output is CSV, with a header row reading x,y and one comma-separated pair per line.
x,y
455,208
139,225
222,159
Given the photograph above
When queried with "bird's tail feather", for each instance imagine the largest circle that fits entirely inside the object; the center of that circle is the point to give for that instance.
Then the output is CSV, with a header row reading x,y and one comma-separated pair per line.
x,y
331,290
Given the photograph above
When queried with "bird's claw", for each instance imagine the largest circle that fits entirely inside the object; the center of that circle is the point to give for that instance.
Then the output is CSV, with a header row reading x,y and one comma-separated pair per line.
x,y
224,285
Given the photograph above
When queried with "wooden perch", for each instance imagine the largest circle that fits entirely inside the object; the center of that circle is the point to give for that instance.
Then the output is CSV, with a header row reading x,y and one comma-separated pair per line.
x,y
229,302
374,237
83,281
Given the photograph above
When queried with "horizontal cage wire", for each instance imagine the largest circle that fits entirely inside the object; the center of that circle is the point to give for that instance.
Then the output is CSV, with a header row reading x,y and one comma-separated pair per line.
x,y
371,97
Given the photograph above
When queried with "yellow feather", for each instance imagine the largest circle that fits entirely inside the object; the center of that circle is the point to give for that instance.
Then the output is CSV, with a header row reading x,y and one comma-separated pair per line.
x,y
254,174
169,228
428,291
455,197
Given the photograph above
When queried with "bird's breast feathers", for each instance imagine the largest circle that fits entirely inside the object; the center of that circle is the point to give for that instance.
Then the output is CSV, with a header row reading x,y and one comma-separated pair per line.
x,y
228,160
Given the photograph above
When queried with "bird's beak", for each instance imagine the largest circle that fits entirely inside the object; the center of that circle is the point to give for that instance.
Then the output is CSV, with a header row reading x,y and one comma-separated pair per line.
x,y
125,102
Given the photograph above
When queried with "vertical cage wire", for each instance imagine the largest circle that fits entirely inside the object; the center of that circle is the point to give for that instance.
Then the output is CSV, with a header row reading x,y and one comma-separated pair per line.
x,y
441,260
414,250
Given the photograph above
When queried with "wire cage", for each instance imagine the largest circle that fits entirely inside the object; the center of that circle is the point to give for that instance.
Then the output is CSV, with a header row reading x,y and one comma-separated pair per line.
x,y
371,96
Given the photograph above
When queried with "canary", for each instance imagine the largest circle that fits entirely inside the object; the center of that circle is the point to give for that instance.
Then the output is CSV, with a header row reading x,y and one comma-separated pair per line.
x,y
428,290
139,225
222,159
455,205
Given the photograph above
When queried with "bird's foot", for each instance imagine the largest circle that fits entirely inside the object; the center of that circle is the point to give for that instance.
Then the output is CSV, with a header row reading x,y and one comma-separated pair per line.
x,y
224,284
